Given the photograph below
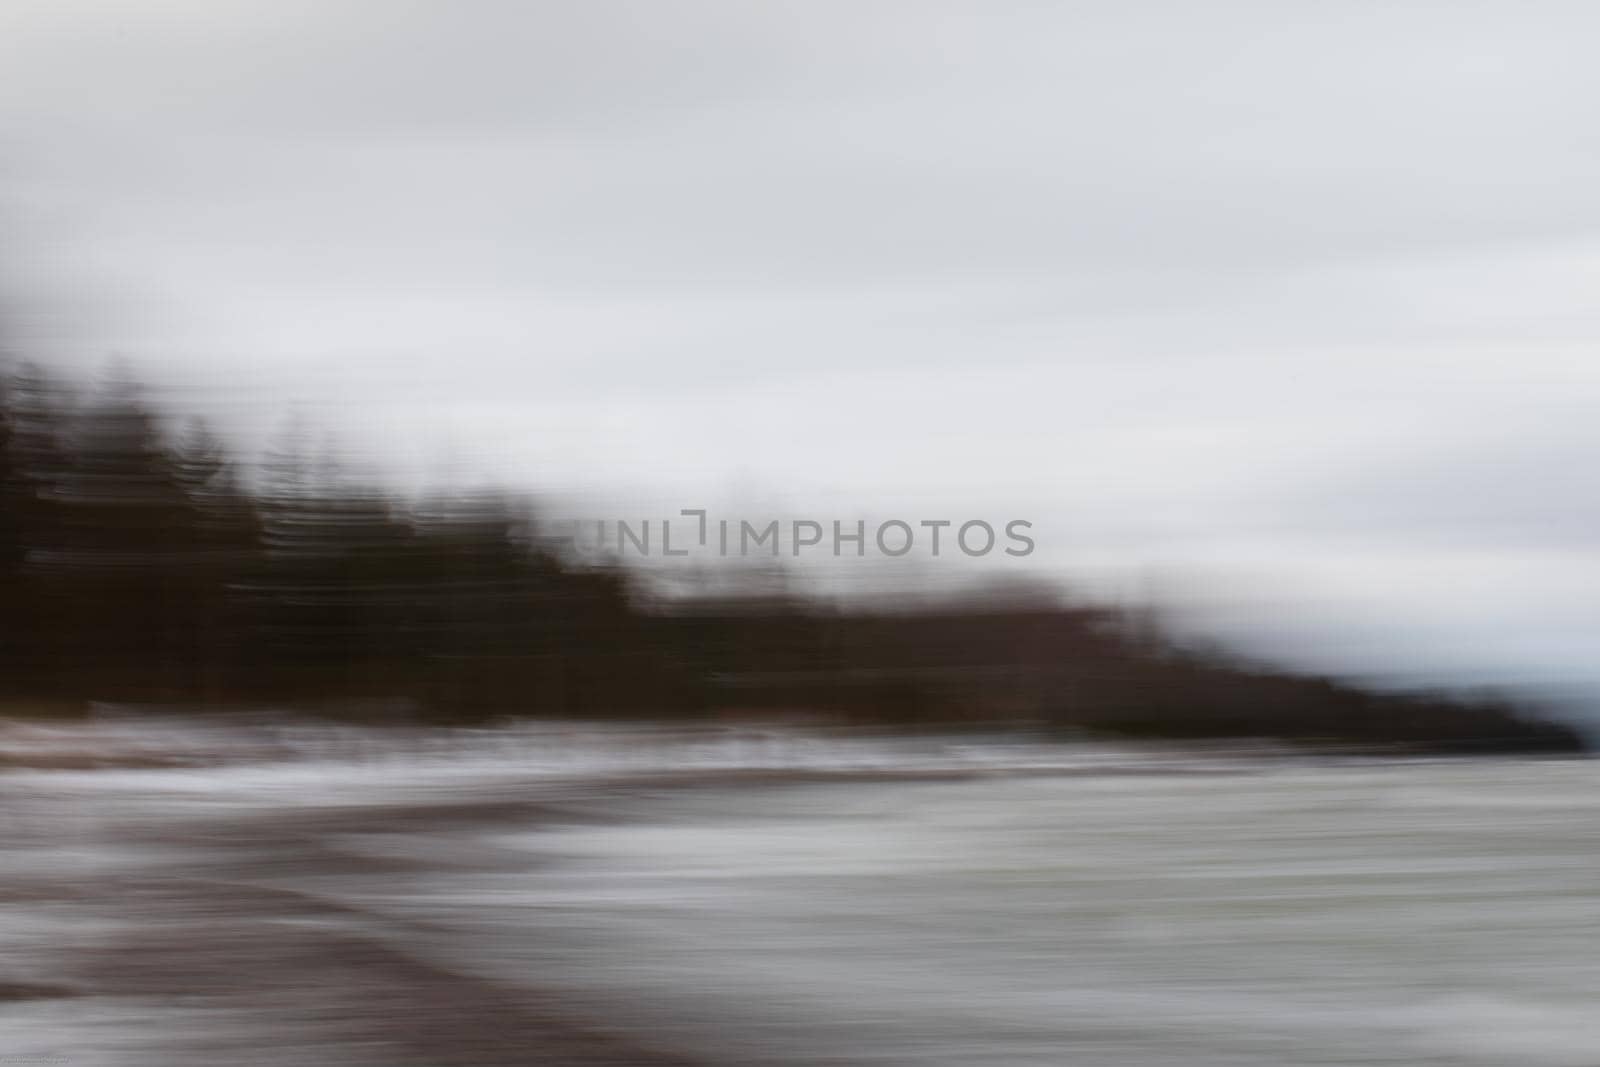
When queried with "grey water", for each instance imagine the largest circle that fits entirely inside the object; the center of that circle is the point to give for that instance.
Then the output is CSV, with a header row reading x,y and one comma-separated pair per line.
x,y
1403,913
790,900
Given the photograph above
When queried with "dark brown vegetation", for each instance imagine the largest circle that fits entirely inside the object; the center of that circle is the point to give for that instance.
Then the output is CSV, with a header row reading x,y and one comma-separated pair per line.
x,y
138,566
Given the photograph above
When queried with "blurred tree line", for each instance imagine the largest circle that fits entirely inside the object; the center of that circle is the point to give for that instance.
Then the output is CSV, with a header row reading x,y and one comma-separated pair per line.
x,y
142,566
136,566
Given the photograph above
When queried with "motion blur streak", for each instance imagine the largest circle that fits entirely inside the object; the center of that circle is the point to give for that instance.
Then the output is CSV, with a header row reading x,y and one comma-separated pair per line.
x,y
898,533
310,894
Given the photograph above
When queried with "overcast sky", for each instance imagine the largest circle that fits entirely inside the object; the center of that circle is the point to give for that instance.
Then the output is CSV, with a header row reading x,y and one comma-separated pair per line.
x,y
1289,309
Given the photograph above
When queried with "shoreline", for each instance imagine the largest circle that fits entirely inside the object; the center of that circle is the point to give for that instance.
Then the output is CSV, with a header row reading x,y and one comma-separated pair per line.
x,y
365,908
208,952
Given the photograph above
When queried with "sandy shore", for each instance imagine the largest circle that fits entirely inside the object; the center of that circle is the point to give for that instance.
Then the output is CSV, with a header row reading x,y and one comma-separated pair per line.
x,y
150,930
177,896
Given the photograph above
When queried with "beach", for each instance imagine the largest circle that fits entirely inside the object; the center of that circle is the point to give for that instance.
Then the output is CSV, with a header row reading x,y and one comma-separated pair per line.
x,y
616,897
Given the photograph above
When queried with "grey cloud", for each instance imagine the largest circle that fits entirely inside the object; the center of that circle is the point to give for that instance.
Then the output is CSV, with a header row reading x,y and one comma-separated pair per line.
x,y
1196,274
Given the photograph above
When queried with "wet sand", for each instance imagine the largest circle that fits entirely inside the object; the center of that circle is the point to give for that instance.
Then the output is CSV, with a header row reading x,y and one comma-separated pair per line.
x,y
198,936
555,896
